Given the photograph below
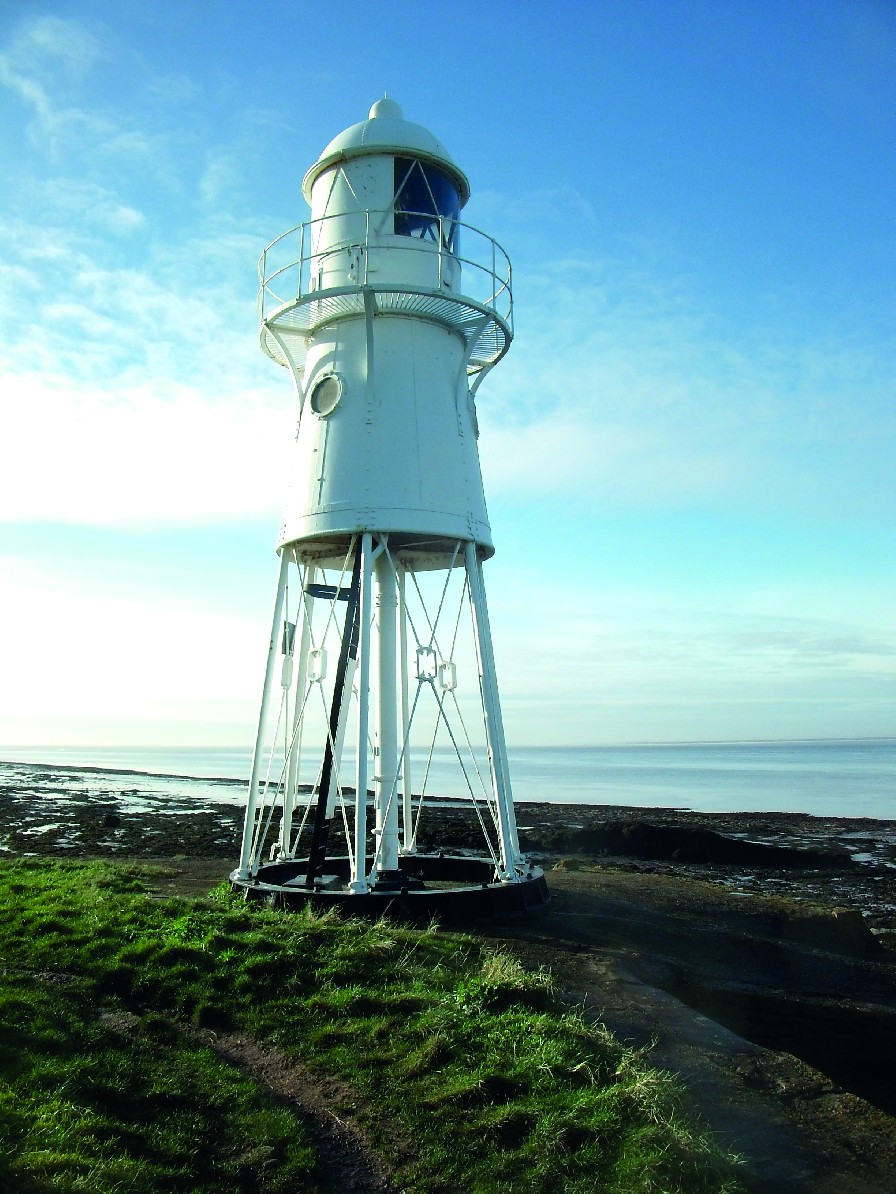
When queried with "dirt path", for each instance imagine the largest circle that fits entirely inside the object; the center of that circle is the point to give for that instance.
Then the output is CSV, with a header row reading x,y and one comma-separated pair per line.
x,y
347,1160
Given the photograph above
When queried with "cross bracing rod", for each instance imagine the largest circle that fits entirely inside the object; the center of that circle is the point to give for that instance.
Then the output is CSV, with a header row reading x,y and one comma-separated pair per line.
x,y
294,750
348,655
273,648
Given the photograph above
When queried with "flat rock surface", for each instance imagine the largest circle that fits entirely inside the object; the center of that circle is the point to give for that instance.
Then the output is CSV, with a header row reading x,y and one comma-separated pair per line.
x,y
681,966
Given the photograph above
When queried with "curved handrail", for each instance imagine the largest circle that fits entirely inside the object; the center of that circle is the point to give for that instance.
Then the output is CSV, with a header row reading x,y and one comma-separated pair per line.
x,y
485,269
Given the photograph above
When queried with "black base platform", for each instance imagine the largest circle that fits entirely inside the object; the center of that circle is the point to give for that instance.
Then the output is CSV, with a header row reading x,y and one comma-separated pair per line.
x,y
441,886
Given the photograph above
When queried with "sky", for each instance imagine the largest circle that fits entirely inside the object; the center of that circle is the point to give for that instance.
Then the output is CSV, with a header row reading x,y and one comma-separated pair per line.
x,y
688,452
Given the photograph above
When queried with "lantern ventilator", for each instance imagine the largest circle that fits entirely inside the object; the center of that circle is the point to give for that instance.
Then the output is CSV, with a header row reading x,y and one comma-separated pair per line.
x,y
380,676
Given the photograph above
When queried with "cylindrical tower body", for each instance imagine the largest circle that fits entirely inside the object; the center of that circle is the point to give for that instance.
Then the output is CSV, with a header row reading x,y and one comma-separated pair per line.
x,y
402,416
388,312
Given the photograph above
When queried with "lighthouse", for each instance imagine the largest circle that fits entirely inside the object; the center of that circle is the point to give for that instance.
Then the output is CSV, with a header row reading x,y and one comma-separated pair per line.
x,y
380,710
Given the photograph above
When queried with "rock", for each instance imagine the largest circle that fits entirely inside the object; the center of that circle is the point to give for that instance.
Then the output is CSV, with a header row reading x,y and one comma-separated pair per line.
x,y
845,930
678,843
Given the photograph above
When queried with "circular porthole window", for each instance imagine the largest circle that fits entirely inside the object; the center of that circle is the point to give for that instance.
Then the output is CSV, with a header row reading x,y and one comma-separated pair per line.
x,y
325,394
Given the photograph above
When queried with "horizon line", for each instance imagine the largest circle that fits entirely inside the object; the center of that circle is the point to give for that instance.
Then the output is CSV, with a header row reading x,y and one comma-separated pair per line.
x,y
617,745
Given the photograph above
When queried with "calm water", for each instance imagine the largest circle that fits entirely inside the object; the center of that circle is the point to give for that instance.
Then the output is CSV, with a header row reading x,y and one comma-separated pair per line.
x,y
846,779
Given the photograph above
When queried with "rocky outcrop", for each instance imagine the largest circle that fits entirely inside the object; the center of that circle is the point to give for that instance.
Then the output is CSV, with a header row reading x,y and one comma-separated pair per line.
x,y
680,843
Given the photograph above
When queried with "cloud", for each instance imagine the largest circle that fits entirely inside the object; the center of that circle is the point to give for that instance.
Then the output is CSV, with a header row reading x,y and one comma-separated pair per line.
x,y
108,315
564,455
50,52
539,208
120,655
610,667
141,454
627,386
49,40
81,202
135,393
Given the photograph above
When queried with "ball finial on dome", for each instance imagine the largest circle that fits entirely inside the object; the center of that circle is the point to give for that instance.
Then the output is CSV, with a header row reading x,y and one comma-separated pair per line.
x,y
386,107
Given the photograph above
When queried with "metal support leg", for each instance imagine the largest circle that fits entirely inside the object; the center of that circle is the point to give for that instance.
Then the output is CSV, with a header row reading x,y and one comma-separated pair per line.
x,y
407,811
386,798
497,750
359,874
245,868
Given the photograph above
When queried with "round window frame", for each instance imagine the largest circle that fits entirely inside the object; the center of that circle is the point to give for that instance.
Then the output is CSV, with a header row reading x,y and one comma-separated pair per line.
x,y
317,385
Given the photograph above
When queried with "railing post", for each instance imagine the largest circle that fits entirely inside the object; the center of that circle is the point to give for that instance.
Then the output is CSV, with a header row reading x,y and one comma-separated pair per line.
x,y
301,260
493,274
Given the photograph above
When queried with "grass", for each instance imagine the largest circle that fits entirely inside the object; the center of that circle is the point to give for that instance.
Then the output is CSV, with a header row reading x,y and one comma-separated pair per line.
x,y
465,1067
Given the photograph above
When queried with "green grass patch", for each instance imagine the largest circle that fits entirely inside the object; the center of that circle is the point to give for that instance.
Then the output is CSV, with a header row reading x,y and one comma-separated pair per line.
x,y
116,1102
465,1062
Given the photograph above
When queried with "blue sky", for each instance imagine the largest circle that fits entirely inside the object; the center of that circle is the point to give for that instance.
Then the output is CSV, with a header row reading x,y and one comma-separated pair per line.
x,y
688,452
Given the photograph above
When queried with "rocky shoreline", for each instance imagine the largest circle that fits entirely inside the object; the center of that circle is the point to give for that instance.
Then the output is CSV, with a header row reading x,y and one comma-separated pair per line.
x,y
844,863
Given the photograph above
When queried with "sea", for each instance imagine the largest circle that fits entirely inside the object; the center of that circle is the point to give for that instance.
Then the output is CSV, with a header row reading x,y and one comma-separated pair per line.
x,y
830,778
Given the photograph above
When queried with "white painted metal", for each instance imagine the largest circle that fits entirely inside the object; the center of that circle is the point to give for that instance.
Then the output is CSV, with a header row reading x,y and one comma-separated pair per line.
x,y
404,424
386,132
387,768
294,749
359,868
297,295
497,749
388,317
258,753
407,791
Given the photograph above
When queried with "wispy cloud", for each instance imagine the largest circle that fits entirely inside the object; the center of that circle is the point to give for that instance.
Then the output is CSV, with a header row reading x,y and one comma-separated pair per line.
x,y
50,52
628,387
85,203
607,673
46,40
573,454
134,389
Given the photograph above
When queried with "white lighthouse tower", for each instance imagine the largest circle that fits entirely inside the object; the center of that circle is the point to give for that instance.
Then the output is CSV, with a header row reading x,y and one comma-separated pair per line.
x,y
380,678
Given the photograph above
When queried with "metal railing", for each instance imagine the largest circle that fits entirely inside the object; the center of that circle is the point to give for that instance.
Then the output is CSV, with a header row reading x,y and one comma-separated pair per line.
x,y
291,268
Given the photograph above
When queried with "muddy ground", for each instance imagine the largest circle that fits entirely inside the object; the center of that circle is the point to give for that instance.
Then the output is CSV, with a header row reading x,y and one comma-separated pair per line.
x,y
754,954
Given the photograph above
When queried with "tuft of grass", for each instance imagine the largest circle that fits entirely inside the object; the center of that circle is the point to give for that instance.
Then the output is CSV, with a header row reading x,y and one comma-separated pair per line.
x,y
502,982
463,1060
